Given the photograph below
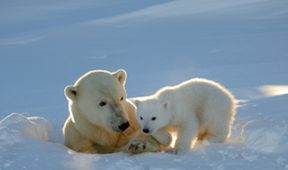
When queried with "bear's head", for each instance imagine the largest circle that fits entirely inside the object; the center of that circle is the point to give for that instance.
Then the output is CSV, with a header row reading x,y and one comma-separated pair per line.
x,y
152,113
100,97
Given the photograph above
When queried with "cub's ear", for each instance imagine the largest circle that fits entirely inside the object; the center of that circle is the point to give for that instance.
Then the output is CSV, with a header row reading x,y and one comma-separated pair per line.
x,y
121,76
166,105
135,102
71,92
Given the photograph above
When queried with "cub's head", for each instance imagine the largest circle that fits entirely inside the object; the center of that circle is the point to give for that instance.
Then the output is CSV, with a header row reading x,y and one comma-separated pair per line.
x,y
152,114
100,97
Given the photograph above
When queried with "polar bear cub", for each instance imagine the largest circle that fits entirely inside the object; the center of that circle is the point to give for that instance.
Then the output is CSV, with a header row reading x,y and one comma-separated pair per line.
x,y
198,109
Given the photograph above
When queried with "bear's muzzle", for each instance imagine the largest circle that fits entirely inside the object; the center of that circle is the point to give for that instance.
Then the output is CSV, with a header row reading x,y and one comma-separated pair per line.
x,y
124,126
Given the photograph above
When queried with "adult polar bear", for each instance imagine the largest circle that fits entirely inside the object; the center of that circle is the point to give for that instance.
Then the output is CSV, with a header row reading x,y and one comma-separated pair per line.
x,y
198,108
102,119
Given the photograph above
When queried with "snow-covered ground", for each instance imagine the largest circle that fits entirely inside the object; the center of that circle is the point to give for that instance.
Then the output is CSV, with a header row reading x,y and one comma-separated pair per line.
x,y
45,46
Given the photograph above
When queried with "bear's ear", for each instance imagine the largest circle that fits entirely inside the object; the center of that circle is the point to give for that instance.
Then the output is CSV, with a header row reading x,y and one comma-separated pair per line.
x,y
121,76
71,92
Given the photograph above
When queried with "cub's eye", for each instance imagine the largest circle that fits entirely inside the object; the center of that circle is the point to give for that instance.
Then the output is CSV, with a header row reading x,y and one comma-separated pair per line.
x,y
141,118
153,118
122,98
102,103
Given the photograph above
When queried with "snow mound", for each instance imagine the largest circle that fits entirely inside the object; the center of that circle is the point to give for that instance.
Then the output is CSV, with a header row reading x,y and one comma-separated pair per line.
x,y
266,130
266,139
16,127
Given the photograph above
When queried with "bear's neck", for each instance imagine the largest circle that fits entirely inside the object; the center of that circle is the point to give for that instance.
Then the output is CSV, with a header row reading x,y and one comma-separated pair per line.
x,y
94,133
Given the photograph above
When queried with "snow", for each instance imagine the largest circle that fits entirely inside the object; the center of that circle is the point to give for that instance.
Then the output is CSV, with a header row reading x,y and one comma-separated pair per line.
x,y
45,46
16,125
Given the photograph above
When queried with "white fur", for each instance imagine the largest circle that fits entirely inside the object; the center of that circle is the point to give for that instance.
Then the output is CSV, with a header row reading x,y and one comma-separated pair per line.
x,y
196,108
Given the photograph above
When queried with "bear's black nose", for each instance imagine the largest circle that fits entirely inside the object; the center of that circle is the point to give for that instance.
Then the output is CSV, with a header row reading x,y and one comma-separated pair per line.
x,y
146,130
124,126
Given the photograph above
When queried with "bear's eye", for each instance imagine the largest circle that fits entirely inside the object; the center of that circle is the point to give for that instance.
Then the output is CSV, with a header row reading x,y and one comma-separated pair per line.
x,y
141,118
102,103
122,98
153,118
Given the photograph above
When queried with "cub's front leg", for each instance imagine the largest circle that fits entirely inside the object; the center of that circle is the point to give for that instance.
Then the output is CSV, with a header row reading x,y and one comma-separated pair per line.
x,y
187,132
163,137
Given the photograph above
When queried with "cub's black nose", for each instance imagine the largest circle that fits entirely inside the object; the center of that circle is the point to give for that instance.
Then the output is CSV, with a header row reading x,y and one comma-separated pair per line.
x,y
146,130
124,126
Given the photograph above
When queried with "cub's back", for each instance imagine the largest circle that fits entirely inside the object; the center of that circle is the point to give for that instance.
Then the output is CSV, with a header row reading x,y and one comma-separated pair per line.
x,y
201,87
195,90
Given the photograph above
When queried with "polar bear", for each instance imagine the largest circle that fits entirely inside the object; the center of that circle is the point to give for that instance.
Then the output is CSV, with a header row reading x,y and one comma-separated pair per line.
x,y
198,109
102,119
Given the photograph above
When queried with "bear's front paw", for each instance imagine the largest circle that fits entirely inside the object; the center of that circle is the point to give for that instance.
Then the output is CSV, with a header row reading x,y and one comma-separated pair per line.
x,y
137,147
